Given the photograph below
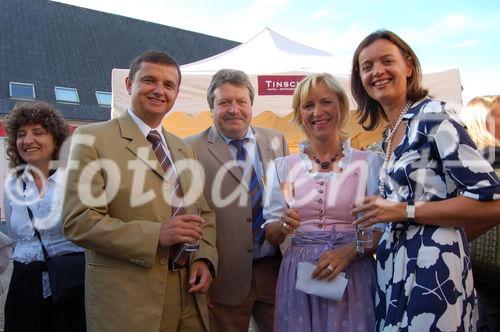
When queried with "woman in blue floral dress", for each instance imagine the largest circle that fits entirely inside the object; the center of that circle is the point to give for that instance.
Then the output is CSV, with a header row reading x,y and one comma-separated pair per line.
x,y
433,182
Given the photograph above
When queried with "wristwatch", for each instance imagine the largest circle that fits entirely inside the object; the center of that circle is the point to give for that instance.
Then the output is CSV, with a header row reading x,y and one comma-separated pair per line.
x,y
410,213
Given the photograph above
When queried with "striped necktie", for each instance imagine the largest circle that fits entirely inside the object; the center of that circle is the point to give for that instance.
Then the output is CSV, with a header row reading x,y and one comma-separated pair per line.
x,y
254,186
170,176
155,139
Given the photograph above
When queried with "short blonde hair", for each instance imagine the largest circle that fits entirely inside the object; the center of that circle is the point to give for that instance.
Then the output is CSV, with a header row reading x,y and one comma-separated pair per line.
x,y
307,86
475,116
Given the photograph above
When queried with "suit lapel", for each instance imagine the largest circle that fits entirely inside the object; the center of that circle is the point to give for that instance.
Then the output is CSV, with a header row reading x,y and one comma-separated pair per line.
x,y
219,149
264,148
138,144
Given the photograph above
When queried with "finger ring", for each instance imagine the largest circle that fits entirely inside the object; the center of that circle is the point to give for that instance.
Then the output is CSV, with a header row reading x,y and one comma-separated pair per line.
x,y
284,225
329,268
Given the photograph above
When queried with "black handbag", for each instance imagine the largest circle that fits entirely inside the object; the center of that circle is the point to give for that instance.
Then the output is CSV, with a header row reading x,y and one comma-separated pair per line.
x,y
65,271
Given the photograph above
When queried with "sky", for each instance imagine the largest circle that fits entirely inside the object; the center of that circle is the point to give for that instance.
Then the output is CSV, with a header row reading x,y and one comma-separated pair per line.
x,y
445,34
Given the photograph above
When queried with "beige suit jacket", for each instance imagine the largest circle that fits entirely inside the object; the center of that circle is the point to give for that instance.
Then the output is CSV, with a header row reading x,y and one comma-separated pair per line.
x,y
234,221
126,271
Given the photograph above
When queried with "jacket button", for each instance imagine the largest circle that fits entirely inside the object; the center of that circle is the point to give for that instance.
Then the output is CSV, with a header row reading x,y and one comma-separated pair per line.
x,y
163,261
321,191
249,219
320,200
322,183
320,226
320,217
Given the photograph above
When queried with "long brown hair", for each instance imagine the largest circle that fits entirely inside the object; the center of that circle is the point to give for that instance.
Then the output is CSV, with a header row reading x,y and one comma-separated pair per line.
x,y
370,112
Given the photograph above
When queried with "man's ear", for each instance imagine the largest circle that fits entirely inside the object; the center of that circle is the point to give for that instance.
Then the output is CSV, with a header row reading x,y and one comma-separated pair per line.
x,y
128,85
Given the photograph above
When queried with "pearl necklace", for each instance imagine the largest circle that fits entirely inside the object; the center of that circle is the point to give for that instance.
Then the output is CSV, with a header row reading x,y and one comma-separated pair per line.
x,y
388,145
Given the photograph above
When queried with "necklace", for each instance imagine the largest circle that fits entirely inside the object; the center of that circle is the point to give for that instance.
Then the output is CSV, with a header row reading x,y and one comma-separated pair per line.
x,y
388,145
325,164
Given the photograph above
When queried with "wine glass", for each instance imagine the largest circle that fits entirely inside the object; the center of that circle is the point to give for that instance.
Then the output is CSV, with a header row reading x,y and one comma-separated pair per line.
x,y
288,190
287,187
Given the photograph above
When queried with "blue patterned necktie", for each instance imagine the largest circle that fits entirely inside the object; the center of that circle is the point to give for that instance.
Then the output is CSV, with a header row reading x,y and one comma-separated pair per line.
x,y
255,189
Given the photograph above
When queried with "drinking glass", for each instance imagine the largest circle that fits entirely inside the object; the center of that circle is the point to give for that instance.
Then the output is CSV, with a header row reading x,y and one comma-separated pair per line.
x,y
185,251
195,244
364,237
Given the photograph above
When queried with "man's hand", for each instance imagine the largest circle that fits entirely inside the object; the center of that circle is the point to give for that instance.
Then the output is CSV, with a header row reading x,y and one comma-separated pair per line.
x,y
200,277
184,228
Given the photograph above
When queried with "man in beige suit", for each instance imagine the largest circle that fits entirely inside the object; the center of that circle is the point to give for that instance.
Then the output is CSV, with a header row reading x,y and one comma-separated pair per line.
x,y
235,156
119,205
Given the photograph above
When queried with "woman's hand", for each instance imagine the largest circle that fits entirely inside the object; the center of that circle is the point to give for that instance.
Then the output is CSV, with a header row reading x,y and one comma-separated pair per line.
x,y
332,262
276,232
375,209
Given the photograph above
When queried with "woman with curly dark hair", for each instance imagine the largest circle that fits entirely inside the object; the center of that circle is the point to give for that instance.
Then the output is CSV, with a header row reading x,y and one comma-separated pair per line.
x,y
33,199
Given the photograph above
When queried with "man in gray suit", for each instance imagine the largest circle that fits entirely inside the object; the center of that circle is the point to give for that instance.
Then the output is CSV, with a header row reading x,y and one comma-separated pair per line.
x,y
235,156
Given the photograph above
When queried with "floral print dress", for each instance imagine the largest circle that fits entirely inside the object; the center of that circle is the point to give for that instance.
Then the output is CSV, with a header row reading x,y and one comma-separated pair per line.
x,y
424,272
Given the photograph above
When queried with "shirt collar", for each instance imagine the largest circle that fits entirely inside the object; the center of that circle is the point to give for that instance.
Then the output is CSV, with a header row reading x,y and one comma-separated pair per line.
x,y
56,176
414,109
143,127
249,135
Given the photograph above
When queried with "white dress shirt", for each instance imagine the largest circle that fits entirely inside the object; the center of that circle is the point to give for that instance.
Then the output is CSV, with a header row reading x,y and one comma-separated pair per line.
x,y
145,129
46,211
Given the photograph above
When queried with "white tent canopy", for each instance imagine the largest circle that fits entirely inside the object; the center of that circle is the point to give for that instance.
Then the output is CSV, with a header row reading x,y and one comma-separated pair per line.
x,y
268,53
192,100
192,95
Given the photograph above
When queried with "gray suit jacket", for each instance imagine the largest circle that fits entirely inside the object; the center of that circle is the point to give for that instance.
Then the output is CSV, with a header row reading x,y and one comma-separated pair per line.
x,y
234,221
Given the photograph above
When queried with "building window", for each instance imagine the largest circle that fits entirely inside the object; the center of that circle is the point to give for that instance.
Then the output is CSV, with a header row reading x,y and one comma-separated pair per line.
x,y
103,98
66,95
22,90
